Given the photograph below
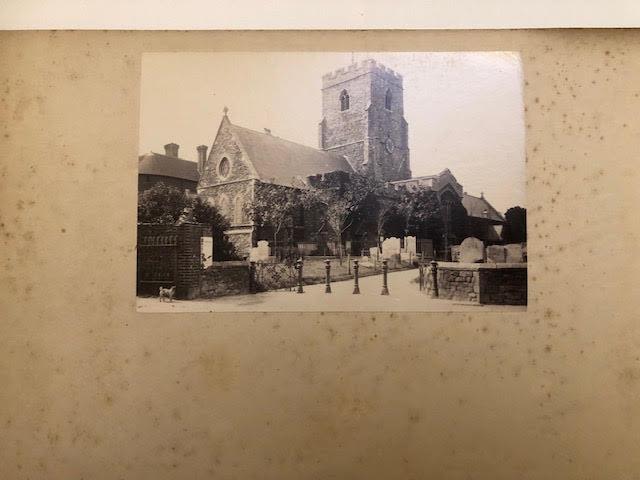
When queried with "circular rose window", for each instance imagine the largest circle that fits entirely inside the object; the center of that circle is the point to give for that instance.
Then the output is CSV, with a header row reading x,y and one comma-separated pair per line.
x,y
223,167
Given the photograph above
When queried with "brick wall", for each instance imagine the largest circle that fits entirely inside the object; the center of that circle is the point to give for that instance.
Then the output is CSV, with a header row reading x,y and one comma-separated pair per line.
x,y
189,259
224,278
492,284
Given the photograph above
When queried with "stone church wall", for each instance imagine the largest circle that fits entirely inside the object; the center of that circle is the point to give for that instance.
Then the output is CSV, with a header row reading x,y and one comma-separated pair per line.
x,y
230,199
224,146
360,132
344,128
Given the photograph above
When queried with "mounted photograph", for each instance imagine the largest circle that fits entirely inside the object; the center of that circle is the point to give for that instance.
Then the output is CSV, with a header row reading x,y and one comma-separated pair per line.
x,y
331,181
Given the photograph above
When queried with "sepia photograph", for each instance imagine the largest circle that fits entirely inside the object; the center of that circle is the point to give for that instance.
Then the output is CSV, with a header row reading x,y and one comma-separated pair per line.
x,y
378,181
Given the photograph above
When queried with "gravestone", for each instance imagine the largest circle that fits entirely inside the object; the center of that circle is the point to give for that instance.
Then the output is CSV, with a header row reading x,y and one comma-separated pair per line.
x,y
496,254
515,253
261,252
471,251
410,245
374,253
426,248
391,247
455,253
307,248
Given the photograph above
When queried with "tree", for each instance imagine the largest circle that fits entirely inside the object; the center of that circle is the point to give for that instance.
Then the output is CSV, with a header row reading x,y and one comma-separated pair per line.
x,y
419,208
384,212
339,198
166,205
515,229
385,208
161,204
274,206
203,212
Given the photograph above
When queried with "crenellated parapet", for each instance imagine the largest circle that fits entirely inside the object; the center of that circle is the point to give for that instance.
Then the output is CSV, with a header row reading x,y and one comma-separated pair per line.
x,y
354,70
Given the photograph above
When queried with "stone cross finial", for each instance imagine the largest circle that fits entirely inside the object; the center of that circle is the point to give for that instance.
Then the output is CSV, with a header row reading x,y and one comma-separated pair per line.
x,y
225,110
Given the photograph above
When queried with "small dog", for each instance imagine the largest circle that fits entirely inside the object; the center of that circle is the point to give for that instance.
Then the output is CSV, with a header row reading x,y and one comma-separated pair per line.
x,y
167,293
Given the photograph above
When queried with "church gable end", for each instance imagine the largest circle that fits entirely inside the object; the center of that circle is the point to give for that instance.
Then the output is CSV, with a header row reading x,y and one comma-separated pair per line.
x,y
227,161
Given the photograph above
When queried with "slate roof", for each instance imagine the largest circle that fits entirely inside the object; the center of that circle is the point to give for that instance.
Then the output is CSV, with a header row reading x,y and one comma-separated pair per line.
x,y
476,206
284,162
158,164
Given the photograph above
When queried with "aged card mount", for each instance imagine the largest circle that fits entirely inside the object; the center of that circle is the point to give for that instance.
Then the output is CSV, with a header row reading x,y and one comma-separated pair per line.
x,y
93,389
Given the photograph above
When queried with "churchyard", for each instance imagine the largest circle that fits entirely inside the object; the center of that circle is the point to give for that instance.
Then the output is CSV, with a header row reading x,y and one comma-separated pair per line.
x,y
478,276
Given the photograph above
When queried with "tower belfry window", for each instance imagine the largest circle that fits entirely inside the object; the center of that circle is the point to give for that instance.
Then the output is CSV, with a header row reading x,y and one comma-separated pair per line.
x,y
387,100
344,101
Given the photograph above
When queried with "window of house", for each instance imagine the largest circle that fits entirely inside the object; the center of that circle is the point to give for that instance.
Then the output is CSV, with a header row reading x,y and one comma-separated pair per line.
x,y
344,101
387,100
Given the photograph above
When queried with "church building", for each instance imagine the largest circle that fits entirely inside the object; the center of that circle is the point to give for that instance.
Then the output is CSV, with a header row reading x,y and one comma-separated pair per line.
x,y
362,129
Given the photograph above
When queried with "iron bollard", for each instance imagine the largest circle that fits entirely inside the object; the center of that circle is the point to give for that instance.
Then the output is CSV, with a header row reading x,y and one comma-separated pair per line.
x,y
356,286
434,273
252,277
385,288
299,268
327,266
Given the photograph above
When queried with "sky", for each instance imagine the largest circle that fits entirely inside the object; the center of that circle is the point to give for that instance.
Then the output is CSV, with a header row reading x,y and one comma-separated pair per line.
x,y
464,109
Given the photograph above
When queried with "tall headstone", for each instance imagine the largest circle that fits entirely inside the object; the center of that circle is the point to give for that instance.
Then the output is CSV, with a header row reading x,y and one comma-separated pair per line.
x,y
390,247
496,254
410,245
515,253
472,251
260,253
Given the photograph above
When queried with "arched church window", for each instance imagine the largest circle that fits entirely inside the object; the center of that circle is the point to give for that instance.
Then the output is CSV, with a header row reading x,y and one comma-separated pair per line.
x,y
387,100
344,101
223,205
238,213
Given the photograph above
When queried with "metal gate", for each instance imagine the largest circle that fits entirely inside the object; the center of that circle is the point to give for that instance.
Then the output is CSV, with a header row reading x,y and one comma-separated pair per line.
x,y
275,276
157,263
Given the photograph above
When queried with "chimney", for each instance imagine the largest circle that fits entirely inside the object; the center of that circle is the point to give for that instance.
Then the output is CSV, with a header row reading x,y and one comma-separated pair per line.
x,y
202,157
171,150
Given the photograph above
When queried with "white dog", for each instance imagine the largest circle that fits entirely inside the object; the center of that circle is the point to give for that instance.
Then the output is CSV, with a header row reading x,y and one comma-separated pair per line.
x,y
167,293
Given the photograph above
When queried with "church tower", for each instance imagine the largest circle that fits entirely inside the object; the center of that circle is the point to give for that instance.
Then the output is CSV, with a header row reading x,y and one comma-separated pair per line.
x,y
363,119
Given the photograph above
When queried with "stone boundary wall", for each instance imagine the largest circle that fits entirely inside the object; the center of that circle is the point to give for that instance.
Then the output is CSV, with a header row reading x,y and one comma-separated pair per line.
x,y
504,284
484,283
225,278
